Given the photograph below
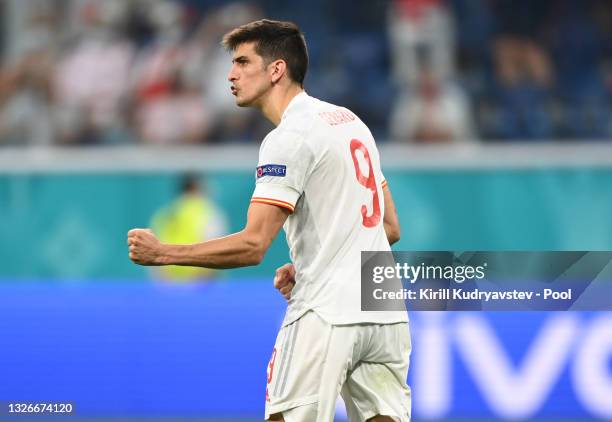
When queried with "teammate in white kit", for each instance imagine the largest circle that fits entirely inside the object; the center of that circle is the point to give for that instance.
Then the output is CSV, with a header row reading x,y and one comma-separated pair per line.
x,y
318,175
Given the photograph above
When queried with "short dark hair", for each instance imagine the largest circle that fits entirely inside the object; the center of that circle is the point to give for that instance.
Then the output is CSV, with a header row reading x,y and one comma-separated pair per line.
x,y
274,40
190,183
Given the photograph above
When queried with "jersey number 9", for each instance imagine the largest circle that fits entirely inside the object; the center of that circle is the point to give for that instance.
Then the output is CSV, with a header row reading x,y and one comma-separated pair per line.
x,y
368,182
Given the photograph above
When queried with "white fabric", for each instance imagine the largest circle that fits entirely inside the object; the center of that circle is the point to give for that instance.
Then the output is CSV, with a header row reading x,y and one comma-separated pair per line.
x,y
326,232
314,361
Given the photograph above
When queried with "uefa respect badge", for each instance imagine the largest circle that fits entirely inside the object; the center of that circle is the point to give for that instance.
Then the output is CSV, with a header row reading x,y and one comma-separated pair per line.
x,y
276,170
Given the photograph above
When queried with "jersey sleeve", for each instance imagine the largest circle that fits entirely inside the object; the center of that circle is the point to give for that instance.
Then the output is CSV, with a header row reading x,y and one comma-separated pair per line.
x,y
381,176
283,168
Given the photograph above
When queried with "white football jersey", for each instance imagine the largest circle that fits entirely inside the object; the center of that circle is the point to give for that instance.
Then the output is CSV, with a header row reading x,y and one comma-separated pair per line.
x,y
322,164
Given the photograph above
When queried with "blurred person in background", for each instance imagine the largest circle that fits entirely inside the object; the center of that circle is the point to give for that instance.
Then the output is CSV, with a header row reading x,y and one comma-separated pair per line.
x,y
26,110
169,109
433,111
92,76
207,66
161,57
420,30
429,106
26,95
178,115
523,73
191,218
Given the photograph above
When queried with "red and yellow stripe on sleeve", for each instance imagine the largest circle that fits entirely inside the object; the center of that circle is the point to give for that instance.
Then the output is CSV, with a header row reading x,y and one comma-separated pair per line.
x,y
276,202
384,184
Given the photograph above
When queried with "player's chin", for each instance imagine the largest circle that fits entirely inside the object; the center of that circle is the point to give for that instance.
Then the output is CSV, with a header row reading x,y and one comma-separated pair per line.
x,y
240,102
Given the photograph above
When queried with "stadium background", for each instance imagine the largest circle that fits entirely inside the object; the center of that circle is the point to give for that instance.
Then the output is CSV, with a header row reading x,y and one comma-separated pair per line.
x,y
493,119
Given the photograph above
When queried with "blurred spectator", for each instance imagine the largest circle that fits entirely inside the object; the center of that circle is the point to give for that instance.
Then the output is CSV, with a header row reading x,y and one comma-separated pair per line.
x,y
434,111
92,77
176,116
209,65
522,93
26,111
111,71
40,29
421,33
523,72
193,217
157,64
170,110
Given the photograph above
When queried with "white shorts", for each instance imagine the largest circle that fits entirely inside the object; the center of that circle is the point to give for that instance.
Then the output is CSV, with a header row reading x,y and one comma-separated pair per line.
x,y
313,361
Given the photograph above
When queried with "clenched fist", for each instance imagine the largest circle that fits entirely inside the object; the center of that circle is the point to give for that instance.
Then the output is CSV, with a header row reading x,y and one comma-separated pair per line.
x,y
284,280
145,248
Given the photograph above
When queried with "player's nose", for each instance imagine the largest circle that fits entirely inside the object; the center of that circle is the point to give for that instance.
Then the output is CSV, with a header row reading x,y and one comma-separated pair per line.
x,y
231,76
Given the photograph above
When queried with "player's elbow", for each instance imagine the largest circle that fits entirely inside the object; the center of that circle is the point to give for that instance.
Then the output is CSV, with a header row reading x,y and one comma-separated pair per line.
x,y
256,257
393,238
393,233
255,250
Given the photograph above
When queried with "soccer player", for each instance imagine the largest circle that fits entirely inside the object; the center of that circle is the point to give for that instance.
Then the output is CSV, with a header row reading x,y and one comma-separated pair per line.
x,y
318,175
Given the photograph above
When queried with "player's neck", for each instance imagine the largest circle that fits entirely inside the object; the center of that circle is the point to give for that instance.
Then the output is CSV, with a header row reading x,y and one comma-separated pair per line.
x,y
278,99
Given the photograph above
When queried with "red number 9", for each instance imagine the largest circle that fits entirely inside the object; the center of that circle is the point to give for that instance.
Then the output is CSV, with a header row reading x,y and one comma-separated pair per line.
x,y
368,182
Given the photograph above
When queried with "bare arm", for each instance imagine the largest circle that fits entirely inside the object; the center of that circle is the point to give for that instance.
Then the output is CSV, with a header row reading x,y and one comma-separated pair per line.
x,y
390,220
241,249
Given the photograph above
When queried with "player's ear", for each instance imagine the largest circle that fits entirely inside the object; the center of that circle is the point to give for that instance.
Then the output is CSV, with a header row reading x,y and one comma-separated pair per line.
x,y
277,70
